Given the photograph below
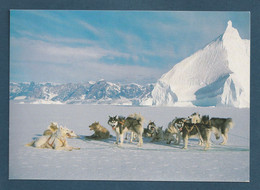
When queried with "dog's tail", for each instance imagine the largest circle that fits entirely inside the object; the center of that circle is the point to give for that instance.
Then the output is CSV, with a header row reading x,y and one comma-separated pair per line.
x,y
138,117
30,144
230,123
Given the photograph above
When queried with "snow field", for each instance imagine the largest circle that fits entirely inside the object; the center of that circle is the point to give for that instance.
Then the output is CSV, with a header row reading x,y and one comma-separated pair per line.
x,y
103,160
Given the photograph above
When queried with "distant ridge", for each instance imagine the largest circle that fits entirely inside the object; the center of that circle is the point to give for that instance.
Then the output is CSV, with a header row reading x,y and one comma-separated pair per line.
x,y
99,92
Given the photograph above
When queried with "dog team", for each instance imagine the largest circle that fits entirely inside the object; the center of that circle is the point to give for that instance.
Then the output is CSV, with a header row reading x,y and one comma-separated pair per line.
x,y
55,137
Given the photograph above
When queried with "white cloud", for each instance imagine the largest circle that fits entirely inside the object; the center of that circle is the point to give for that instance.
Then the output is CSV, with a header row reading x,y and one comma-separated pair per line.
x,y
44,61
47,38
89,27
49,16
28,50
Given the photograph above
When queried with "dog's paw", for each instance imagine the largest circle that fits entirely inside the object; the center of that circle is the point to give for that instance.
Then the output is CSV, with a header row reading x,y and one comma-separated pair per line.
x,y
185,148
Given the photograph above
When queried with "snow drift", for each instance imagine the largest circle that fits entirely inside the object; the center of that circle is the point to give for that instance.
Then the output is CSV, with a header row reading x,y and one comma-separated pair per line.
x,y
217,75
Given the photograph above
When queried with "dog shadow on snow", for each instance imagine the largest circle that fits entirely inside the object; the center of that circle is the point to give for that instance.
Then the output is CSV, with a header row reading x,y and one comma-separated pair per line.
x,y
109,140
193,144
112,140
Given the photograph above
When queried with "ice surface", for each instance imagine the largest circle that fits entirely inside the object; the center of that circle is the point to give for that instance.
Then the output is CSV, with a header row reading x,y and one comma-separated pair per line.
x,y
102,160
227,56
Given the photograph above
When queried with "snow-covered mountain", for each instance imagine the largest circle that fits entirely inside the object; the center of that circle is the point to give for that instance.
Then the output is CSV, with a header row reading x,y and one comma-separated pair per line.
x,y
100,92
217,75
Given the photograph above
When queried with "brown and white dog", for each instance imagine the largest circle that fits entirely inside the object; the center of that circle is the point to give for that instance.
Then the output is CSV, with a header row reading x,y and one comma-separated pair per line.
x,y
100,132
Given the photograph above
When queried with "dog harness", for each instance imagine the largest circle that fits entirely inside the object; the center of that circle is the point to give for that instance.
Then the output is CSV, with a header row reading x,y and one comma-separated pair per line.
x,y
63,142
191,128
121,126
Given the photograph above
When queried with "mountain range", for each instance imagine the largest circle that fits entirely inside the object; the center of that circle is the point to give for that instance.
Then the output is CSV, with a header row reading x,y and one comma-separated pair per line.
x,y
99,92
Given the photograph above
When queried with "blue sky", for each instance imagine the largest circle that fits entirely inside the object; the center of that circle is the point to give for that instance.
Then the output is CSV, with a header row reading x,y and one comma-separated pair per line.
x,y
118,46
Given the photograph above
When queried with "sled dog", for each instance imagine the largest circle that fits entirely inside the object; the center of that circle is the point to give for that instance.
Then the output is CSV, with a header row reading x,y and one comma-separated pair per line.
x,y
100,132
174,130
56,141
132,123
151,128
221,126
202,130
120,130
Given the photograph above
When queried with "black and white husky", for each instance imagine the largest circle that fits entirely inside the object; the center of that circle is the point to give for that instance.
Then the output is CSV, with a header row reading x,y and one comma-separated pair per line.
x,y
151,129
202,130
133,123
221,126
172,133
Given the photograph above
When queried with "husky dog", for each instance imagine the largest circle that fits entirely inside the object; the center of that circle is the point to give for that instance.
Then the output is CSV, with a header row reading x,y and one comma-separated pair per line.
x,y
174,130
100,131
202,130
53,127
158,134
120,130
151,128
56,141
134,123
121,125
221,126
195,118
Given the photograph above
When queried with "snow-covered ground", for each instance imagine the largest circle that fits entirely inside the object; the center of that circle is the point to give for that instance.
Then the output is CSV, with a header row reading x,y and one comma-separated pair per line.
x,y
102,160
